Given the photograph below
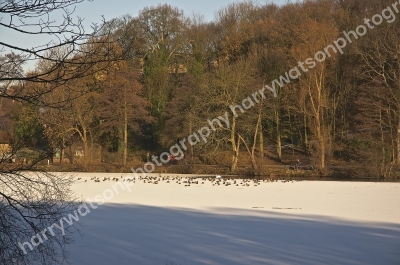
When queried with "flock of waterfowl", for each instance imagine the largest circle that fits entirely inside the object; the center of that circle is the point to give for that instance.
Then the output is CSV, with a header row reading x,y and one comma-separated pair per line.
x,y
187,181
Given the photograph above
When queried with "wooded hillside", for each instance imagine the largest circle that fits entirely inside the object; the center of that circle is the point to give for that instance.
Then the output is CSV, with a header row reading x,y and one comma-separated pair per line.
x,y
332,105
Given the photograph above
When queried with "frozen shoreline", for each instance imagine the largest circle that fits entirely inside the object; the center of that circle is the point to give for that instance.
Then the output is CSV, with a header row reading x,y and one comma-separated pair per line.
x,y
171,223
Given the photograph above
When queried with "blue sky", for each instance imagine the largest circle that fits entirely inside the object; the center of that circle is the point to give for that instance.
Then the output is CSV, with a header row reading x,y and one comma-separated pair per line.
x,y
92,12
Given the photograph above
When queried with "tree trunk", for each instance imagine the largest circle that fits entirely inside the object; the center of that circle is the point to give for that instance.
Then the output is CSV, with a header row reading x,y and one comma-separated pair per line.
x,y
71,155
398,142
125,129
278,135
261,150
305,134
86,156
125,141
191,146
256,169
323,154
235,146
382,173
235,157
321,143
61,154
51,156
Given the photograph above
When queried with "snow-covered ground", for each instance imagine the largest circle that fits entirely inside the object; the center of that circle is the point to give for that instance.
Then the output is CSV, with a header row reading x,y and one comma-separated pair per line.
x,y
305,223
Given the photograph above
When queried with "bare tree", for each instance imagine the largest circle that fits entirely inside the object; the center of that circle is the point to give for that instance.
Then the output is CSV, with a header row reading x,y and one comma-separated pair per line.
x,y
122,106
71,52
315,89
30,203
30,200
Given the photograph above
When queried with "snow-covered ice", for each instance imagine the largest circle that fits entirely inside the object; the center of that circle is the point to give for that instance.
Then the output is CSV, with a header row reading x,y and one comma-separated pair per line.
x,y
305,223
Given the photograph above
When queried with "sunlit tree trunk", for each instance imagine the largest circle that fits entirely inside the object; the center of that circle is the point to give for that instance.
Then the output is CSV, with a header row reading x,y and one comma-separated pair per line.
x,y
235,146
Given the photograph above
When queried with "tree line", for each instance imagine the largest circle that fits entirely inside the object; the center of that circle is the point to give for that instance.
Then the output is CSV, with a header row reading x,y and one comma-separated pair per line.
x,y
159,76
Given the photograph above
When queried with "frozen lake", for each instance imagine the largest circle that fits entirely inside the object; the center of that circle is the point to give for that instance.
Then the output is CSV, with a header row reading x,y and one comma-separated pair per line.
x,y
306,223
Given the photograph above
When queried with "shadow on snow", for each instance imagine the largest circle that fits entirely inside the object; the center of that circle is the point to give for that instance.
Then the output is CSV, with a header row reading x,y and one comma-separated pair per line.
x,y
129,234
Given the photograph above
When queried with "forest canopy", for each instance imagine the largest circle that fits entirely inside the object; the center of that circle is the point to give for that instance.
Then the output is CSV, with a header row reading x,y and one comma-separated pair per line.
x,y
330,69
